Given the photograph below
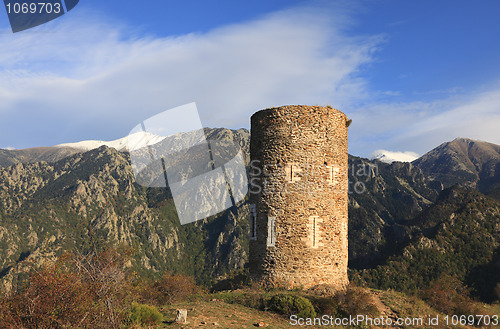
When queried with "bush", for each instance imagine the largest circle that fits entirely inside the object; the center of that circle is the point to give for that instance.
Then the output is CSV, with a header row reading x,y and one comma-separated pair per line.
x,y
85,291
235,280
355,301
288,304
448,295
496,292
141,314
327,305
247,298
54,298
169,289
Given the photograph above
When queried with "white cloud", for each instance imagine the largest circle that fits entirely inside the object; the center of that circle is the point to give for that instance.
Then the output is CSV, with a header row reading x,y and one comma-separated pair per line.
x,y
80,78
476,118
89,80
390,156
421,126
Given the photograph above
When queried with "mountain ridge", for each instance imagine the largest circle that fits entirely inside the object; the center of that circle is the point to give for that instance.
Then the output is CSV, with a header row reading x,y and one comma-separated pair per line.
x,y
91,198
54,153
121,144
461,146
463,161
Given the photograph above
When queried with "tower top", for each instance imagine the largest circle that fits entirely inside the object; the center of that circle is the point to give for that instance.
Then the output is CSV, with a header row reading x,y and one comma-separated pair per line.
x,y
297,109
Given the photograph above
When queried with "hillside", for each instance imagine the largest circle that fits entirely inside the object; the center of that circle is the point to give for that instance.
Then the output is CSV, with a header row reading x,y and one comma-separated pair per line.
x,y
90,200
80,183
36,154
61,151
468,162
87,200
392,194
458,236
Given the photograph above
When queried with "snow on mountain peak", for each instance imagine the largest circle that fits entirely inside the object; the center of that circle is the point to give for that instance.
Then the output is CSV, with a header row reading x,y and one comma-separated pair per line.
x,y
390,156
121,144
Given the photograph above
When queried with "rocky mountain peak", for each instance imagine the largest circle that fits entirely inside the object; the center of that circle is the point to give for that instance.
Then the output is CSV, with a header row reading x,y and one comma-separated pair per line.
x,y
464,161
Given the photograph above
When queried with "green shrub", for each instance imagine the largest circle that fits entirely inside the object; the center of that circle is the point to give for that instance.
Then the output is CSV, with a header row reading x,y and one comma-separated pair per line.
x,y
288,304
142,314
327,305
245,298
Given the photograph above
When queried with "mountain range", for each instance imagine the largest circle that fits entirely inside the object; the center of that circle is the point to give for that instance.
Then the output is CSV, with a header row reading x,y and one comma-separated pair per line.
x,y
78,197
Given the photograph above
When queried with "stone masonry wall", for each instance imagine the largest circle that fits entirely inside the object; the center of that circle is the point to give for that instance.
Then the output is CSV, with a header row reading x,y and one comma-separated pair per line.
x,y
298,197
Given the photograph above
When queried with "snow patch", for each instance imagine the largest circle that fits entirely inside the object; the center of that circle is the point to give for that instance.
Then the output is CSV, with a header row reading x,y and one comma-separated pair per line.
x,y
390,156
119,144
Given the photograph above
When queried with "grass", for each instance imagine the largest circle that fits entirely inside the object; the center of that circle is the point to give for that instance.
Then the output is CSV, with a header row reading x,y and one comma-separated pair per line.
x,y
243,309
217,313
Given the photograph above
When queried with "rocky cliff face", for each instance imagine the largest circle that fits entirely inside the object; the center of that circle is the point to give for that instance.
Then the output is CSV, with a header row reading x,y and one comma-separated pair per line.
x,y
91,199
88,200
463,161
382,198
394,195
459,236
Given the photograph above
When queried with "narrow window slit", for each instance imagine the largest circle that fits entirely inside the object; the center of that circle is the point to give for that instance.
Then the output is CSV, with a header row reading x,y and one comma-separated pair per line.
x,y
271,231
253,222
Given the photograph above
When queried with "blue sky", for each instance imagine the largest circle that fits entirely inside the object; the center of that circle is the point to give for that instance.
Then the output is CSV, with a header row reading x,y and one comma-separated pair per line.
x,y
411,74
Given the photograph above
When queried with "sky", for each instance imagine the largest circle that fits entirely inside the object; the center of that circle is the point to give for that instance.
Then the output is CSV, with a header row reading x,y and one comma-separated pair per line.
x,y
411,74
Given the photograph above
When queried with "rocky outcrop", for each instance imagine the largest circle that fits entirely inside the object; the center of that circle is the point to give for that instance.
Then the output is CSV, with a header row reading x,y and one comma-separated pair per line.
x,y
463,161
381,197
90,200
87,200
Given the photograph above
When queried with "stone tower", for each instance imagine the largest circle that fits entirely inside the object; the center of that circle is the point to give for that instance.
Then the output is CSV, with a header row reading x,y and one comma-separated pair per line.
x,y
298,197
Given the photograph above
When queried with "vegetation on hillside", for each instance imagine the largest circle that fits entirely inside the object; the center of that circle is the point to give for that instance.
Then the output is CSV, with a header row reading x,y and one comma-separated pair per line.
x,y
94,290
457,238
409,245
100,290
90,201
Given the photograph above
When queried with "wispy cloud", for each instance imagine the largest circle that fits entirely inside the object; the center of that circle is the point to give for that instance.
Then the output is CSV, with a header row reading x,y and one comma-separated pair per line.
x,y
452,90
421,126
83,78
477,118
90,80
